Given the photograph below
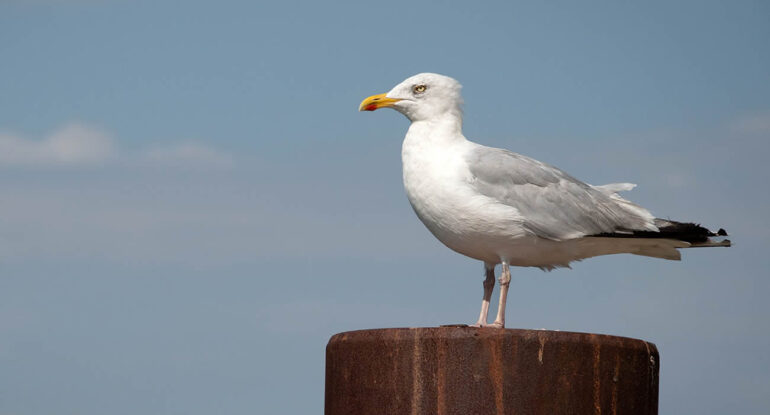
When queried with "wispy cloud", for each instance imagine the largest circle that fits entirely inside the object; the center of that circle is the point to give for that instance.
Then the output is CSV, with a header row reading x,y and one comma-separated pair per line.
x,y
188,154
78,144
756,123
74,144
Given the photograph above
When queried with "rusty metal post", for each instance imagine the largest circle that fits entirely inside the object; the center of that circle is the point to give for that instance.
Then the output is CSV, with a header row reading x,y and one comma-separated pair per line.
x,y
462,370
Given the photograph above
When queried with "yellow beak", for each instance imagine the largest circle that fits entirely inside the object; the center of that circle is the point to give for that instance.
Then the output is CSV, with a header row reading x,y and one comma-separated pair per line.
x,y
377,101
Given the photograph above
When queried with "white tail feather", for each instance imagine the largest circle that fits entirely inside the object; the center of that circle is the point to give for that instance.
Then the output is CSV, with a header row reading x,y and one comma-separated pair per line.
x,y
613,188
656,248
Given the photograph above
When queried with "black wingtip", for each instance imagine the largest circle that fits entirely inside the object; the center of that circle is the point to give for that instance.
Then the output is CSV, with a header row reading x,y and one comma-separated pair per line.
x,y
682,231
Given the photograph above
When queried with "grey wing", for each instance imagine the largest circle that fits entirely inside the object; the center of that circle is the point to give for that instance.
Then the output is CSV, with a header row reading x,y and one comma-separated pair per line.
x,y
552,204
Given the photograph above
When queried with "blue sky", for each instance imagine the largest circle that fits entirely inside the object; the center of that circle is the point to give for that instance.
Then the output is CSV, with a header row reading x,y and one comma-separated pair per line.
x,y
190,204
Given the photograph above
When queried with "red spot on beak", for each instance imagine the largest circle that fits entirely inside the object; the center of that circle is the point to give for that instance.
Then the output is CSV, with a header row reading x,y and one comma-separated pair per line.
x,y
370,107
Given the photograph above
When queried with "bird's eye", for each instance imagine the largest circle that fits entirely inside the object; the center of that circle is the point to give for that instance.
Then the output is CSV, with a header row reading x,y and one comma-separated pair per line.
x,y
419,89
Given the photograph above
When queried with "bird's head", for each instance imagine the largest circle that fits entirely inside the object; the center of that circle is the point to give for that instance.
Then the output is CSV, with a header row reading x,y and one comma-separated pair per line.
x,y
421,97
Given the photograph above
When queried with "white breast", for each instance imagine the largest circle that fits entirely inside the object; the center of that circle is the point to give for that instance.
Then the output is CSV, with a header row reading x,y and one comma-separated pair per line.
x,y
437,182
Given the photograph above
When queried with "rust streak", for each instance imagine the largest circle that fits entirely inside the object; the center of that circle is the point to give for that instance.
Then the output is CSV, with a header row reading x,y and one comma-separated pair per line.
x,y
615,379
542,348
597,380
496,370
416,374
441,406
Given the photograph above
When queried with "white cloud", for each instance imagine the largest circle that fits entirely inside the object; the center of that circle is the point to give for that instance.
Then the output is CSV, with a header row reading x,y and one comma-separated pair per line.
x,y
77,144
189,154
757,123
71,145
679,179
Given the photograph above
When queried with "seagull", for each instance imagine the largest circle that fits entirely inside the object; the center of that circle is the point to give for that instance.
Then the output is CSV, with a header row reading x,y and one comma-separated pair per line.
x,y
501,207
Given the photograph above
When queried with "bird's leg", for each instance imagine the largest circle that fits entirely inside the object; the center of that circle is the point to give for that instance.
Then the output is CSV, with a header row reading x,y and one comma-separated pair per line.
x,y
489,284
505,281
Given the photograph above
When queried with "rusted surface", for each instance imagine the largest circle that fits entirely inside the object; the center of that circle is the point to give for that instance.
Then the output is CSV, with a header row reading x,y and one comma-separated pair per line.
x,y
462,370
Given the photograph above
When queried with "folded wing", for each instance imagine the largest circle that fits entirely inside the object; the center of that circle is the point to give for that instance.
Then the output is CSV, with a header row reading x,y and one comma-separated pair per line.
x,y
553,204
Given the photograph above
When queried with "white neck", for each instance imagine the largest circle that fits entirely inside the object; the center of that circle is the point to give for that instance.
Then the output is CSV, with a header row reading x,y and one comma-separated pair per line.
x,y
441,130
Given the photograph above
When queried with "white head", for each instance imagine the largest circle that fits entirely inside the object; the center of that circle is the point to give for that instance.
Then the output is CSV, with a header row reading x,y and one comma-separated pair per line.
x,y
421,97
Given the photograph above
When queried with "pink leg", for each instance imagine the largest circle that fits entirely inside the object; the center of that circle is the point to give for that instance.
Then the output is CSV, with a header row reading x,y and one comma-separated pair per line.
x,y
505,281
489,284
